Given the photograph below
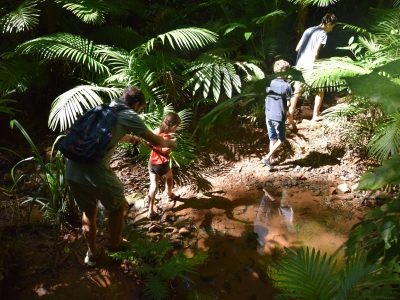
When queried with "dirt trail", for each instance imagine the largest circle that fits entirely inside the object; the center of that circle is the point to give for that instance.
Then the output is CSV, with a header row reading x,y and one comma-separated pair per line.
x,y
214,198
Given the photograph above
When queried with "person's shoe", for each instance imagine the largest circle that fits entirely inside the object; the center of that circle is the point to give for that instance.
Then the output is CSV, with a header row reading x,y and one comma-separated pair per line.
x,y
92,259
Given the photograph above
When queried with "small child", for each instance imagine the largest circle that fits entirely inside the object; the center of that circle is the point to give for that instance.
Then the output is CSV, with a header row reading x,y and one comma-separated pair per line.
x,y
278,93
159,162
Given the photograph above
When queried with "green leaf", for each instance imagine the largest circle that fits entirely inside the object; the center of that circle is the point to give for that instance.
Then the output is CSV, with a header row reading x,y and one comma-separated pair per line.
x,y
24,18
381,176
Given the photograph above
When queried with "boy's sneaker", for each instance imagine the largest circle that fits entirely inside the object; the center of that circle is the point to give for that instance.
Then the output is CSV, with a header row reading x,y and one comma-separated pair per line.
x,y
92,259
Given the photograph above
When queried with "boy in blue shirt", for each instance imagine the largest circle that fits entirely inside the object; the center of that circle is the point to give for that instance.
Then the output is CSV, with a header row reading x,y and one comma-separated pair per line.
x,y
278,94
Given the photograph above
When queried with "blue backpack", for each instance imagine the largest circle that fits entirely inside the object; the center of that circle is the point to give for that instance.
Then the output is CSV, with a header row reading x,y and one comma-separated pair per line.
x,y
88,138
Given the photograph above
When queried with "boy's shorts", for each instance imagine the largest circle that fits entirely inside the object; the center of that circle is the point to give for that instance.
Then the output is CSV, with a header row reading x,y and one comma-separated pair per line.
x,y
86,197
160,170
276,130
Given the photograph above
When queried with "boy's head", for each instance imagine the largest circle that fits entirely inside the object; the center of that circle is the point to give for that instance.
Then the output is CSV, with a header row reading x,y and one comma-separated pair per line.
x,y
281,66
328,22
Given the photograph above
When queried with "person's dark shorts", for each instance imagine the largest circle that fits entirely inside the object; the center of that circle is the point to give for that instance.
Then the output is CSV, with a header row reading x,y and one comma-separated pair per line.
x,y
86,197
160,170
276,130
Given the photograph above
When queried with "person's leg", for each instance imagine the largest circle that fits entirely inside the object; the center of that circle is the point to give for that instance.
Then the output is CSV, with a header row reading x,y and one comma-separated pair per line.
x,y
89,228
86,199
115,224
169,181
277,137
154,178
293,102
319,97
272,149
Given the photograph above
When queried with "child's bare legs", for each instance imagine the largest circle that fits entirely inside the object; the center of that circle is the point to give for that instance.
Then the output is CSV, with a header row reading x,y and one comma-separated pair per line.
x,y
273,145
154,178
169,183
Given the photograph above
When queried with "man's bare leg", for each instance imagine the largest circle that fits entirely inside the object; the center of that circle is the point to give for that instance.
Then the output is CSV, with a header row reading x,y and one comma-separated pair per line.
x,y
115,224
89,228
293,104
319,98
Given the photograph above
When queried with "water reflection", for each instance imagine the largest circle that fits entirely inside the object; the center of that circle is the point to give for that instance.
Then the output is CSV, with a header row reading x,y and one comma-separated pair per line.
x,y
274,221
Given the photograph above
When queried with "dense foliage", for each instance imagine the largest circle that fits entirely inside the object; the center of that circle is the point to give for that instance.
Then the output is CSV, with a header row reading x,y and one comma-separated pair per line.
x,y
204,59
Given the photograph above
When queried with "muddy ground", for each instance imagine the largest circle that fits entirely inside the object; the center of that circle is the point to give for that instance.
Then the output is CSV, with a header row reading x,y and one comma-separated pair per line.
x,y
211,215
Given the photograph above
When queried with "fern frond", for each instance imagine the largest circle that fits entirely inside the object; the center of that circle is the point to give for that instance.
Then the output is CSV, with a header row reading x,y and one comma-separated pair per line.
x,y
25,17
68,106
66,46
155,288
191,38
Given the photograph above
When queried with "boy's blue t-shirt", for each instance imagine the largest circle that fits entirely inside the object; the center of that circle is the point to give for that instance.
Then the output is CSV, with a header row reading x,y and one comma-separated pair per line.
x,y
278,93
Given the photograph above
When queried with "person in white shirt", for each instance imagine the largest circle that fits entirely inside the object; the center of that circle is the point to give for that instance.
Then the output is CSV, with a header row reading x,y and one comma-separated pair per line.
x,y
308,48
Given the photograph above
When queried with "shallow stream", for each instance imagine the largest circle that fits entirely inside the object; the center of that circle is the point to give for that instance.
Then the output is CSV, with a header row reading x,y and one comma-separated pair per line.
x,y
242,241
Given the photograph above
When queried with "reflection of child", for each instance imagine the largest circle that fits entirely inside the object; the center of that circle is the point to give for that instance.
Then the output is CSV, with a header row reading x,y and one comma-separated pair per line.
x,y
159,161
262,224
278,93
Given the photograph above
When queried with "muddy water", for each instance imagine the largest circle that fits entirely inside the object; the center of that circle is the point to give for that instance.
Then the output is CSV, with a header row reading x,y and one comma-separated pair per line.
x,y
243,238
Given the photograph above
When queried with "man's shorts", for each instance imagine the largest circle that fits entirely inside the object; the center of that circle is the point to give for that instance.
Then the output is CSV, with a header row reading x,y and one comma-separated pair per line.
x,y
276,130
86,197
160,170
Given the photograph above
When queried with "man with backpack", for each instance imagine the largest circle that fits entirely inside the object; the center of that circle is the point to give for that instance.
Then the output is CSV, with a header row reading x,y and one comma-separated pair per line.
x,y
91,181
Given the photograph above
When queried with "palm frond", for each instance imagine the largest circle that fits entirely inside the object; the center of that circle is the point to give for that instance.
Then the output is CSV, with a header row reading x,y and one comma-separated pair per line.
x,y
230,27
89,11
332,72
265,18
360,279
316,273
5,106
322,3
25,17
214,74
252,71
190,38
66,46
379,88
68,106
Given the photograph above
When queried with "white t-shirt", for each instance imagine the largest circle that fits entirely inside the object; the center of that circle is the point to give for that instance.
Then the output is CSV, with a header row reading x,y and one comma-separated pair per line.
x,y
312,38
